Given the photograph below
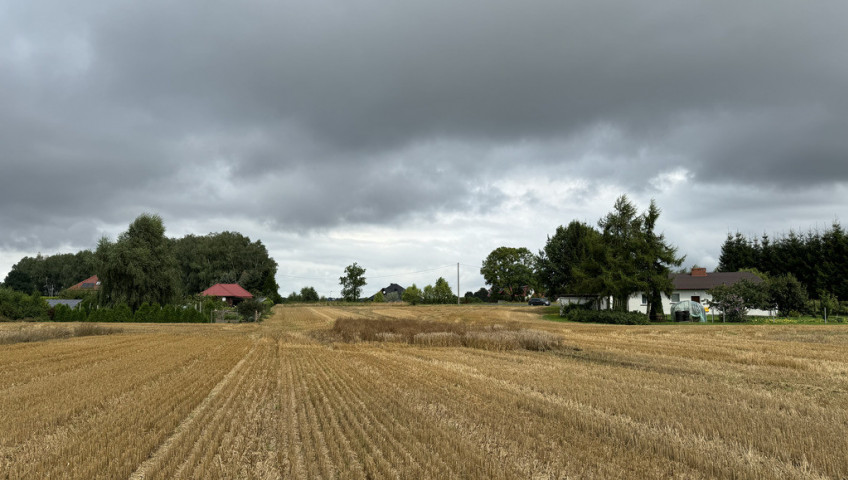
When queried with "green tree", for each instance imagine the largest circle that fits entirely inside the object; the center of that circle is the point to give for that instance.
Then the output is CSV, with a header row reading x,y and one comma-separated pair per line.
x,y
294,297
50,274
427,295
308,294
412,295
379,298
566,250
787,294
621,232
510,271
139,267
737,253
753,295
654,260
352,282
16,305
829,303
226,257
629,256
442,292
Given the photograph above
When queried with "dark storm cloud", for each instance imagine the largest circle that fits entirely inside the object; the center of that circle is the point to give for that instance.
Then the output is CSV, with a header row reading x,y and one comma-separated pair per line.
x,y
369,76
315,114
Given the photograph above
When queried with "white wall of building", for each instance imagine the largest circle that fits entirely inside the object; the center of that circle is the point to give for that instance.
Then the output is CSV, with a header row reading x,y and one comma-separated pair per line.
x,y
635,302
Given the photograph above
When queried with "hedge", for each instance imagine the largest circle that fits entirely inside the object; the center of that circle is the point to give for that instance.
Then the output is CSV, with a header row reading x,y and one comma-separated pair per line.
x,y
606,316
122,313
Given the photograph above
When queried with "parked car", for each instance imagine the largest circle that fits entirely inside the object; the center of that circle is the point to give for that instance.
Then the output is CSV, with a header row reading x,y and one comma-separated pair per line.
x,y
539,301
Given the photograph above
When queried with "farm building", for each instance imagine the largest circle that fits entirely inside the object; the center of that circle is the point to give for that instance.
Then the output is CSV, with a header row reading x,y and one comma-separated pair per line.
x,y
232,293
694,286
91,284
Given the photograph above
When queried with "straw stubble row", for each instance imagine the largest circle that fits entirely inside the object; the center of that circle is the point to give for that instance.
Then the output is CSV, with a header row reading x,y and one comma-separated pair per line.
x,y
272,402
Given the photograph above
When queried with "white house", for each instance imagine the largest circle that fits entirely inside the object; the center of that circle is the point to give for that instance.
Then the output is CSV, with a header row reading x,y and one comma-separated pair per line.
x,y
694,286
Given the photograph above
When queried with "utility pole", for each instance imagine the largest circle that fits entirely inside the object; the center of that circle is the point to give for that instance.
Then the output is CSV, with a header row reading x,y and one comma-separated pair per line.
x,y
457,283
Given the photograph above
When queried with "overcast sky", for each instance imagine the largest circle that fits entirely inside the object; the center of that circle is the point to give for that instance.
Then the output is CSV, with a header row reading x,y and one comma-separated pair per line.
x,y
409,136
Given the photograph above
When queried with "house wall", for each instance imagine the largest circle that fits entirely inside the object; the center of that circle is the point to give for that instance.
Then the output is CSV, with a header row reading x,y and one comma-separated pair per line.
x,y
634,303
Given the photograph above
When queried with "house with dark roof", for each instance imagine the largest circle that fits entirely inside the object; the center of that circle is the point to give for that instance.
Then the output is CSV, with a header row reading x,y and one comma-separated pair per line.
x,y
232,293
90,284
694,286
393,288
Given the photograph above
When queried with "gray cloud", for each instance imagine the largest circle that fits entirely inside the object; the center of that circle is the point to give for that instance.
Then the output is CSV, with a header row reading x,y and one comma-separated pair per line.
x,y
314,116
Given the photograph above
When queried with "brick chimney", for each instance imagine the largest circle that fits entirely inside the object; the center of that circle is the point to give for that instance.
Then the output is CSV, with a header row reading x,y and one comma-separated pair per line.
x,y
699,272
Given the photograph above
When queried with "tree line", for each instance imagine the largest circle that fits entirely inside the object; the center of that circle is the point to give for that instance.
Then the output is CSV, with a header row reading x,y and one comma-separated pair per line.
x,y
625,254
49,275
143,266
816,259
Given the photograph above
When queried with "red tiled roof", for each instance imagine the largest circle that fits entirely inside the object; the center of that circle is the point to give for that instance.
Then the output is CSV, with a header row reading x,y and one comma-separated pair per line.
x,y
90,283
227,290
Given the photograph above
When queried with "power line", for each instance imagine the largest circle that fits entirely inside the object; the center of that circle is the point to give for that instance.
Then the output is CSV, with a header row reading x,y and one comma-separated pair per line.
x,y
414,273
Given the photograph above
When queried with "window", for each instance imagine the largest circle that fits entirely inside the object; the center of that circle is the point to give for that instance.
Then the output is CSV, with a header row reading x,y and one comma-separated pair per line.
x,y
675,297
644,299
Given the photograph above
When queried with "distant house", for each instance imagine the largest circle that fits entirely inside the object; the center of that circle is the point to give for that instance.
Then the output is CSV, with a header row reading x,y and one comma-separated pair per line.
x,y
393,288
232,293
90,284
694,286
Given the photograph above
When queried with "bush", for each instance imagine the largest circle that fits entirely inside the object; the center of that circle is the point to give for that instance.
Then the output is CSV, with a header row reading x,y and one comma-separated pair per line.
x,y
146,313
100,315
64,313
606,316
169,314
18,306
121,313
247,309
190,315
733,307
565,310
787,294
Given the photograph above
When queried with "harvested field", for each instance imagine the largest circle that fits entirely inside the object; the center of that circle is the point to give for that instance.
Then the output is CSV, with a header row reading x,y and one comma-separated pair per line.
x,y
403,392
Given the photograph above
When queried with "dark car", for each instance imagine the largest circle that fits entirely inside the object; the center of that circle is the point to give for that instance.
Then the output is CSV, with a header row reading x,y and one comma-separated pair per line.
x,y
539,301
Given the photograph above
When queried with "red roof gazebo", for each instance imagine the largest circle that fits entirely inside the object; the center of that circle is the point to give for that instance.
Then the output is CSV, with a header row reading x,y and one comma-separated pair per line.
x,y
229,292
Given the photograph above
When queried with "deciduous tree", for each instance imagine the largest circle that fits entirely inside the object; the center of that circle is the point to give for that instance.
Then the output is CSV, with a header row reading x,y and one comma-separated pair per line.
x,y
139,267
308,294
352,282
509,270
412,295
